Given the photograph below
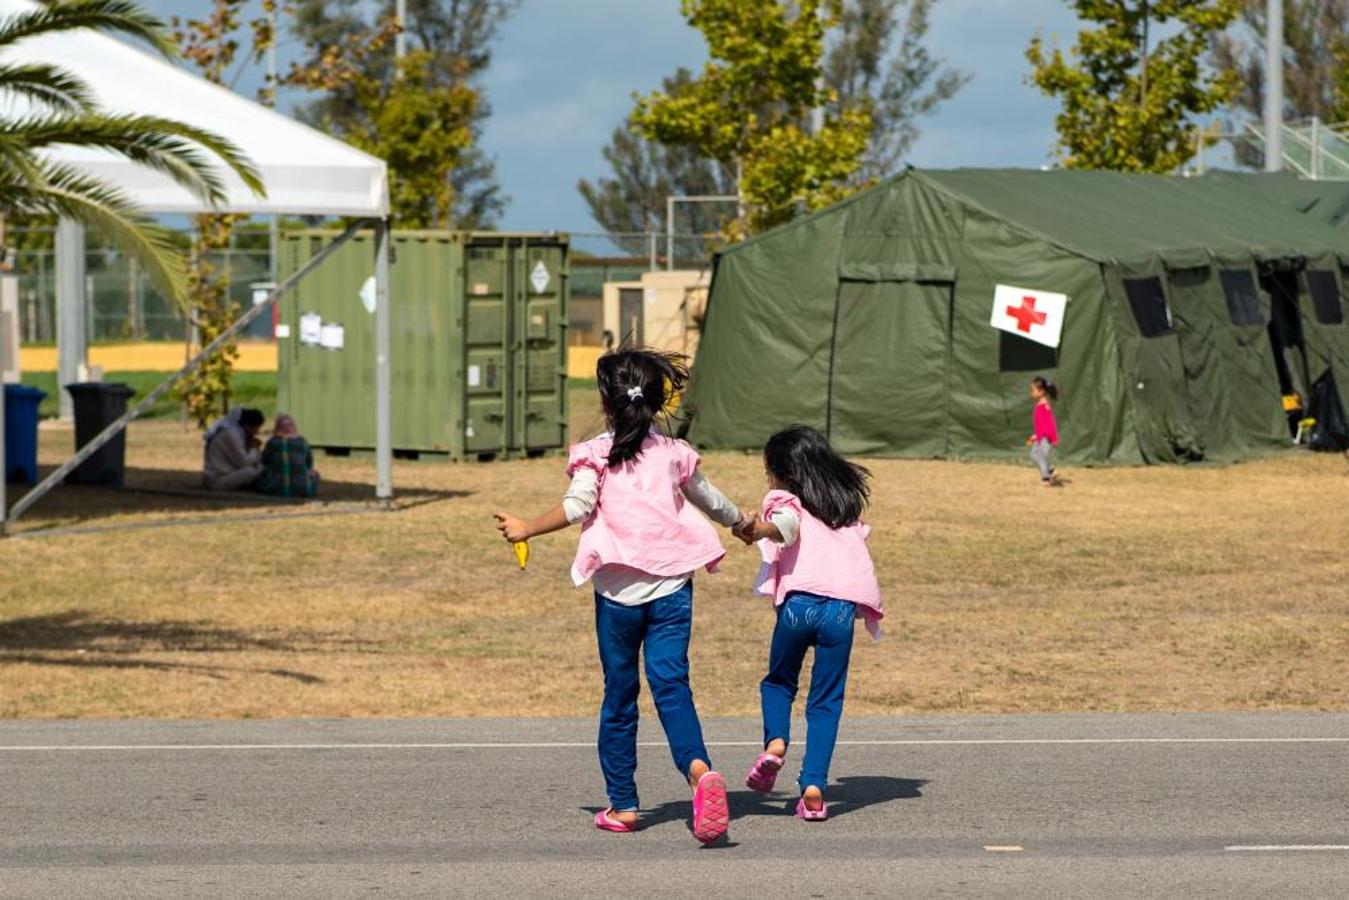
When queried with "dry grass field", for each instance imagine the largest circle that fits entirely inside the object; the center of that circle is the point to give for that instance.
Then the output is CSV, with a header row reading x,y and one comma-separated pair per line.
x,y
1128,589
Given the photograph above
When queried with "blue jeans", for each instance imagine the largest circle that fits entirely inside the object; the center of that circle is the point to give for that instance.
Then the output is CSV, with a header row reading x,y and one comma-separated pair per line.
x,y
660,630
805,621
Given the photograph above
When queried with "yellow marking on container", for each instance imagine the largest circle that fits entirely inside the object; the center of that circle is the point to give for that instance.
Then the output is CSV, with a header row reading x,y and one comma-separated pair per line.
x,y
1004,848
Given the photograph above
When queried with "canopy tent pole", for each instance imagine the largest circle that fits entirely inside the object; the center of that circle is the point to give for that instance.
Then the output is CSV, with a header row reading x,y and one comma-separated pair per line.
x,y
383,419
72,335
107,434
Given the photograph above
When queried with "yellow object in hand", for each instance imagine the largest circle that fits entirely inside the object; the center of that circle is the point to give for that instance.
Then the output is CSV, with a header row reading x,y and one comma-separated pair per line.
x,y
521,549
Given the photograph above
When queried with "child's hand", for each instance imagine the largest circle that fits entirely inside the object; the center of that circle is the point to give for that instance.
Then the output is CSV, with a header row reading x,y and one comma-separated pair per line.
x,y
745,529
511,528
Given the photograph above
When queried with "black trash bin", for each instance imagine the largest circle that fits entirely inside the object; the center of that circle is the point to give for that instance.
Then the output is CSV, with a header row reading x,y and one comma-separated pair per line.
x,y
98,405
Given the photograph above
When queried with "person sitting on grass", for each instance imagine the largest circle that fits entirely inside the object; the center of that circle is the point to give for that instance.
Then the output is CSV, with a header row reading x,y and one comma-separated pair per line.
x,y
233,460
288,462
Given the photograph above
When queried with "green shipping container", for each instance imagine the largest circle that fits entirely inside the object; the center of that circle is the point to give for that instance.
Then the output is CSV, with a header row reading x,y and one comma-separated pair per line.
x,y
477,342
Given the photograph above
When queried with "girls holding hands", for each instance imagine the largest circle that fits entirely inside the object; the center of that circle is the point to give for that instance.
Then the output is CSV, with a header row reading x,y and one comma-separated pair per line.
x,y
634,492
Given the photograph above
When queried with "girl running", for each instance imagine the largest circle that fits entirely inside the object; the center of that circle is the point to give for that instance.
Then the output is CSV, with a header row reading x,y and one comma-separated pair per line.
x,y
820,576
1046,435
633,490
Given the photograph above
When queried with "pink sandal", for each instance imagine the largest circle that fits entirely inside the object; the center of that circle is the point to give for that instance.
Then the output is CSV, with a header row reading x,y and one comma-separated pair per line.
x,y
606,822
764,773
711,812
811,815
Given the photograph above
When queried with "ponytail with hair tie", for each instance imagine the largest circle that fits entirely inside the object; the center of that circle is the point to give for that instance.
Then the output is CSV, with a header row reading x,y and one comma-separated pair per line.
x,y
629,380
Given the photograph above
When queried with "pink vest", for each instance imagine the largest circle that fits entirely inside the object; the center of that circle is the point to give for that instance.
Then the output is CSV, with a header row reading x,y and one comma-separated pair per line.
x,y
826,561
642,520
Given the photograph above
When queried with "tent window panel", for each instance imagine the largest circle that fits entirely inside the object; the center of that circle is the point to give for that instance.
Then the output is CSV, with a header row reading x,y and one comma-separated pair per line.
x,y
1325,293
1148,302
1243,299
1018,354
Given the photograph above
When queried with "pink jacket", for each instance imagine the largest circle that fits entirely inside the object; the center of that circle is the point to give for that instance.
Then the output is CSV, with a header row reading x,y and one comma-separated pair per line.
x,y
825,561
642,520
1045,427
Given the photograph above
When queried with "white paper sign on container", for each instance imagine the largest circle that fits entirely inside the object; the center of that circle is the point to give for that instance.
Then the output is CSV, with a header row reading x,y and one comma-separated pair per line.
x,y
334,338
311,329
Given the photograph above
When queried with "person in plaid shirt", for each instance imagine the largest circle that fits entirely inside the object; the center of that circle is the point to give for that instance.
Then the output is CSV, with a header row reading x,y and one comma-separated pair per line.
x,y
288,463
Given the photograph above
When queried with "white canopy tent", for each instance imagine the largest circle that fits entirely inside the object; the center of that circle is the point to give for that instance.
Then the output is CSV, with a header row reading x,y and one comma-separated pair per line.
x,y
304,171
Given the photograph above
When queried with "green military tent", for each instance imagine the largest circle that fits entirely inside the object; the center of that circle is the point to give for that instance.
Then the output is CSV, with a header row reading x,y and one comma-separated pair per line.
x,y
1191,312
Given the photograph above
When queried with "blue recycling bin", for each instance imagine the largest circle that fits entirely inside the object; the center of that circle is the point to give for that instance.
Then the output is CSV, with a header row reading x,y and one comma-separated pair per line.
x,y
21,403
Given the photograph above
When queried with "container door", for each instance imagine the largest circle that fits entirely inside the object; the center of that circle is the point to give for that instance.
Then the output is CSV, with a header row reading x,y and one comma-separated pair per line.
x,y
887,388
487,285
540,364
631,321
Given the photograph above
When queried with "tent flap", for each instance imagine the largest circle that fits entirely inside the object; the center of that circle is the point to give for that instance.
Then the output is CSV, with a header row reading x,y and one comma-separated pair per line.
x,y
895,271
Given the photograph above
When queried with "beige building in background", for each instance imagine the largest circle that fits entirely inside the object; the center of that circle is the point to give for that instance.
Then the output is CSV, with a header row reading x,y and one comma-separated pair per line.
x,y
664,310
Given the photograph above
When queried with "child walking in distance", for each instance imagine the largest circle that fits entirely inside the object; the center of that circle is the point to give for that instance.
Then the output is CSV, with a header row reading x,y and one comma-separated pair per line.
x,y
1046,435
820,576
634,491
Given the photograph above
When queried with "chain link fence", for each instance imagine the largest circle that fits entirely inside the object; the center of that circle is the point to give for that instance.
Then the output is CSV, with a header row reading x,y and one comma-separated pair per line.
x,y
122,306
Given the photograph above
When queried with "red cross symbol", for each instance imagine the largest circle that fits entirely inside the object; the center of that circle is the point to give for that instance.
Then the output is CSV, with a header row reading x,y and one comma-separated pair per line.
x,y
1025,315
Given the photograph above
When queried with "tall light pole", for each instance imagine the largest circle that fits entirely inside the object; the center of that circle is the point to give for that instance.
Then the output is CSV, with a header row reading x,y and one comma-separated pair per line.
x,y
1274,86
400,41
274,226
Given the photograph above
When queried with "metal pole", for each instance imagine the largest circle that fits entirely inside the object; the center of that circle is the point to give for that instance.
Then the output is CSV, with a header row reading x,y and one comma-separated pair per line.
x,y
400,41
383,418
4,463
274,226
654,262
228,334
669,233
817,110
1274,86
1316,148
71,328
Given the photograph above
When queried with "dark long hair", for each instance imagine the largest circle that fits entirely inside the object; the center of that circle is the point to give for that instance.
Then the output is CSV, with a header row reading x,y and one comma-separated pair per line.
x,y
831,489
635,386
1050,388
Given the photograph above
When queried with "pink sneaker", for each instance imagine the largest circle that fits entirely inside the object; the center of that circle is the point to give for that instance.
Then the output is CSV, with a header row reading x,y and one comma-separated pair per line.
x,y
811,815
764,773
604,821
711,812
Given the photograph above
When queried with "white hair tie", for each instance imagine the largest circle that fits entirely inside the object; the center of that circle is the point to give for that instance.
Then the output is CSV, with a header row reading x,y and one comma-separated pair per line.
x,y
634,393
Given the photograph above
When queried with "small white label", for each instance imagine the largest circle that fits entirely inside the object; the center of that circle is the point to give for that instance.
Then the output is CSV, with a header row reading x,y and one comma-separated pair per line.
x,y
474,377
480,288
282,332
540,277
311,329
468,430
334,338
368,294
649,295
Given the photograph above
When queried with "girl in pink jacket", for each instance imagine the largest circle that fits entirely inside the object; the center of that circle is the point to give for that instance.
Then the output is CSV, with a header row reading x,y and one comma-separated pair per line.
x,y
821,578
1045,436
633,491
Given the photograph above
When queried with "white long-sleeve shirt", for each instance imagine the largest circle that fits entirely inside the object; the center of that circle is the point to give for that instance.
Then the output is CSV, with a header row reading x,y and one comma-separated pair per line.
x,y
633,587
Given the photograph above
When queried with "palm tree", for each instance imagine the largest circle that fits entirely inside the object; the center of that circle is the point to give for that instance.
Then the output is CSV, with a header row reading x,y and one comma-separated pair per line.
x,y
61,110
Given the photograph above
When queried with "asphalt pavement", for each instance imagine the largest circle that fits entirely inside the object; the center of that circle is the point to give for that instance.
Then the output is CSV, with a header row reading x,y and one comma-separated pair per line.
x,y
1244,804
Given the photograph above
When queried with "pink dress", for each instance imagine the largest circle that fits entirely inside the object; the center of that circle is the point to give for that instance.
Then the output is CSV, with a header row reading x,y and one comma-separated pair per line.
x,y
642,520
1045,427
830,562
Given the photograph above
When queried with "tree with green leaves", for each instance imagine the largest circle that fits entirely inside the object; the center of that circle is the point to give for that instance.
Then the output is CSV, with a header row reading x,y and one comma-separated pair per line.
x,y
876,60
879,61
63,112
1316,69
212,43
424,115
644,173
1129,101
750,108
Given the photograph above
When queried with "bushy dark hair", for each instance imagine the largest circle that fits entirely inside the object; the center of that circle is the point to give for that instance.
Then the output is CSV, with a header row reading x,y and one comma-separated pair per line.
x,y
831,488
1050,388
251,418
635,386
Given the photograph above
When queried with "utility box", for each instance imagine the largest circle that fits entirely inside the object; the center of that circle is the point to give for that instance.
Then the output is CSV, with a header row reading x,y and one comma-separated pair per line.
x,y
478,343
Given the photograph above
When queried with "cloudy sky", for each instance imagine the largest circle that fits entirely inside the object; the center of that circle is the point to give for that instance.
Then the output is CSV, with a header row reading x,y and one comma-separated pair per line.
x,y
564,72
